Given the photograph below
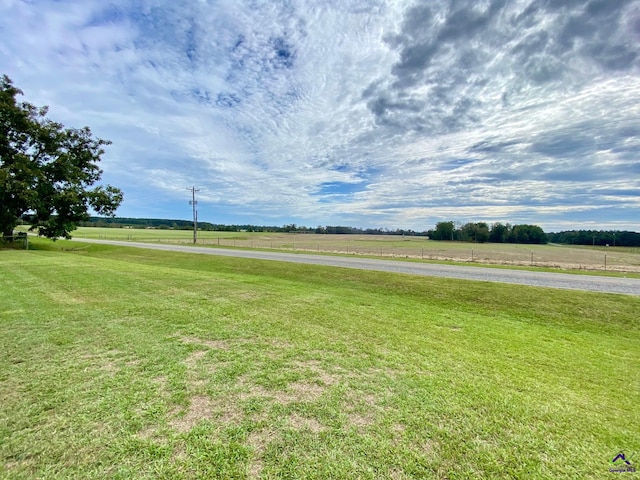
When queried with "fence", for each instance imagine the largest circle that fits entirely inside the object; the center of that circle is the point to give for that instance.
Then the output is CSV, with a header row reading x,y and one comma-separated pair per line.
x,y
545,256
20,240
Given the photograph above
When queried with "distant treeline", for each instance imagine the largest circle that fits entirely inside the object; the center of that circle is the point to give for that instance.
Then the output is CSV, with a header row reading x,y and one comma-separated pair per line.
x,y
506,233
470,232
596,237
159,223
165,224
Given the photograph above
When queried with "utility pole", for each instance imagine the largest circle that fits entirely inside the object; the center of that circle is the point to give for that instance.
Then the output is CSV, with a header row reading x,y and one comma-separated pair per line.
x,y
195,212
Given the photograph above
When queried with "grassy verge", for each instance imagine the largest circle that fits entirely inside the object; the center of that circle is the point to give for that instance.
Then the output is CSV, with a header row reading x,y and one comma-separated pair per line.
x,y
126,363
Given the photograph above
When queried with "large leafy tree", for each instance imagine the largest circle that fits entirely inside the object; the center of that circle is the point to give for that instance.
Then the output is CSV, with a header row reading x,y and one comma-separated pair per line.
x,y
47,171
444,231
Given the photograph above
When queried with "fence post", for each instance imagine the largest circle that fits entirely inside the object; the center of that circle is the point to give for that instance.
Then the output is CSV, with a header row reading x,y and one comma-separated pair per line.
x,y
605,262
532,259
472,254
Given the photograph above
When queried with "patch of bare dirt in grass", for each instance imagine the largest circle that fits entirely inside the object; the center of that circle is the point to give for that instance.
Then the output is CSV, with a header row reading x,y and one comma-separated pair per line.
x,y
398,431
429,447
315,367
201,408
384,372
279,343
196,368
300,392
398,428
398,474
111,361
358,399
255,467
359,421
306,423
251,389
230,413
194,357
258,441
270,347
150,432
360,409
295,392
162,385
26,463
179,453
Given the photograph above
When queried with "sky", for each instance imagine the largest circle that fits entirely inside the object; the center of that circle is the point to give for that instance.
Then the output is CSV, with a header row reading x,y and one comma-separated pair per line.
x,y
364,113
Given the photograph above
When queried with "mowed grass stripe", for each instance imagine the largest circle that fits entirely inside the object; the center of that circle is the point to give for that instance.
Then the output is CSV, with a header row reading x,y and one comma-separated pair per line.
x,y
124,363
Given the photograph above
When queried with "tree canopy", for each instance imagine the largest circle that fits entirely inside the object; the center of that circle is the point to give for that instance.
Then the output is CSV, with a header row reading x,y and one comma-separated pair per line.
x,y
48,171
481,232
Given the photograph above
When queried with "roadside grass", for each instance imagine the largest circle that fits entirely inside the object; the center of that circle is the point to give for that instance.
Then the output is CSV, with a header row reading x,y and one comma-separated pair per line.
x,y
118,362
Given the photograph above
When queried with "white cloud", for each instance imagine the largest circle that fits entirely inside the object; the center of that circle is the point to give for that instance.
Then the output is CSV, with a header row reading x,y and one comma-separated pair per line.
x,y
384,113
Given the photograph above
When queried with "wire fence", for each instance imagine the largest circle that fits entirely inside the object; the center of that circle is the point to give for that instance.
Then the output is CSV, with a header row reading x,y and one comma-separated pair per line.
x,y
19,240
559,257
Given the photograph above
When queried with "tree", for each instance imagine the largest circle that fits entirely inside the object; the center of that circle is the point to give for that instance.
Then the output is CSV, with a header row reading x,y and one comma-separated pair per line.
x,y
499,232
527,234
482,232
475,232
47,170
444,231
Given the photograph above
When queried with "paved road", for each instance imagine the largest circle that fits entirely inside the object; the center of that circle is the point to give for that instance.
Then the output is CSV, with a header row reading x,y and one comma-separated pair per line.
x,y
627,286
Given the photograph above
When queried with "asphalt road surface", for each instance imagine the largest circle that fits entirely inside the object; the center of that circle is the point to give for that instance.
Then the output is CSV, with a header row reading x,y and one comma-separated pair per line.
x,y
626,286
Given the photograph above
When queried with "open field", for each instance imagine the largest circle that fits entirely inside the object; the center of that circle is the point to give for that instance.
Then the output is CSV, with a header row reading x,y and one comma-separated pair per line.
x,y
125,363
387,246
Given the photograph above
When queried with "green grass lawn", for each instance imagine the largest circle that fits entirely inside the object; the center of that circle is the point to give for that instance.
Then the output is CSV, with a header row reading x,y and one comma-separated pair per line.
x,y
126,363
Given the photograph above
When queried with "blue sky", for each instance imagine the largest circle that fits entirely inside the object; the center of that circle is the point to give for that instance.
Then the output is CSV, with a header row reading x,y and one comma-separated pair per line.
x,y
367,113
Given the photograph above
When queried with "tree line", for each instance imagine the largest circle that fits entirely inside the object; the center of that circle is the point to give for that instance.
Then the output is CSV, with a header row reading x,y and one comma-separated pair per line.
x,y
470,232
602,238
481,232
169,224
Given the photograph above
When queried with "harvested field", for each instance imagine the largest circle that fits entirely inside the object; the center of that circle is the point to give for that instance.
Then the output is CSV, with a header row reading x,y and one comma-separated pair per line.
x,y
567,257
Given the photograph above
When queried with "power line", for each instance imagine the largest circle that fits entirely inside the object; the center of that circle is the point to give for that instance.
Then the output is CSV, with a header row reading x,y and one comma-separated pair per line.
x,y
193,203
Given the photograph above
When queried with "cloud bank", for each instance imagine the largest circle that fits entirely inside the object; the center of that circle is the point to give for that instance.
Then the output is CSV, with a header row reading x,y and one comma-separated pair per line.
x,y
372,113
